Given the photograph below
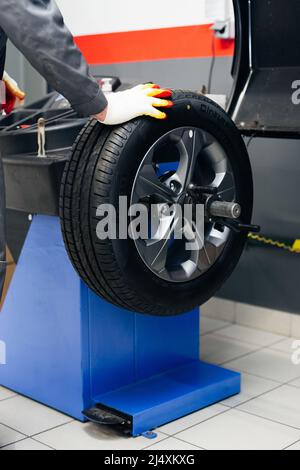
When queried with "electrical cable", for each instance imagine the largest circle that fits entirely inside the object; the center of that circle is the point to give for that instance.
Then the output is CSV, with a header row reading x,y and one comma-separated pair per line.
x,y
295,248
250,140
212,65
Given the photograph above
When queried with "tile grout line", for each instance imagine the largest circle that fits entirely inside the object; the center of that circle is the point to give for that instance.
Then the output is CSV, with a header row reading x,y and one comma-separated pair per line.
x,y
291,325
294,443
190,443
236,321
235,313
13,429
279,385
33,436
235,407
201,422
47,445
23,440
173,437
261,395
162,440
259,347
267,346
8,398
235,358
255,375
290,384
242,356
271,420
212,332
14,442
257,396
263,348
259,376
245,412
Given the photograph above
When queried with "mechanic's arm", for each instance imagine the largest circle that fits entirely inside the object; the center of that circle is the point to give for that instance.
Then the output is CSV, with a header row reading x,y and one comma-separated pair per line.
x,y
37,29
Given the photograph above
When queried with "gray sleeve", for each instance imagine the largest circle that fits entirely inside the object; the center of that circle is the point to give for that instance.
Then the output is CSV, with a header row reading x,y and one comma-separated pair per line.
x,y
37,29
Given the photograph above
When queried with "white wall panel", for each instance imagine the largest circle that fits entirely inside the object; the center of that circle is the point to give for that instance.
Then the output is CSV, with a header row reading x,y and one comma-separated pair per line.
x,y
218,9
85,17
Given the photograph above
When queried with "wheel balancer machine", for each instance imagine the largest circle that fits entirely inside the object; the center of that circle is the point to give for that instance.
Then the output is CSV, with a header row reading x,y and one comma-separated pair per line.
x,y
70,350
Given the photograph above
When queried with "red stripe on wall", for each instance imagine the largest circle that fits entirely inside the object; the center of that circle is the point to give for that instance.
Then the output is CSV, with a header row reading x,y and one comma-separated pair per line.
x,y
156,44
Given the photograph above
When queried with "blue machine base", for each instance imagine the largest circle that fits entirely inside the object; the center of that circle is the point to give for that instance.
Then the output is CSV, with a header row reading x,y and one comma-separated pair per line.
x,y
71,350
171,395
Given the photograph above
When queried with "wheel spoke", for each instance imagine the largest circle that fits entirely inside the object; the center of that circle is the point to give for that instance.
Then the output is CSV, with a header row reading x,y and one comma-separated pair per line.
x,y
156,254
216,158
194,237
189,143
226,188
155,250
204,261
213,247
148,184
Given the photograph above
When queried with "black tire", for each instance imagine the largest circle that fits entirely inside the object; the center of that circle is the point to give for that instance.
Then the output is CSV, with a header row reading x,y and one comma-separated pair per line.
x,y
103,167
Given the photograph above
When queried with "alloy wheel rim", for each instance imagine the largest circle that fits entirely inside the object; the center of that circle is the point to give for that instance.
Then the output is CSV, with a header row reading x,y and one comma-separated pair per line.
x,y
182,157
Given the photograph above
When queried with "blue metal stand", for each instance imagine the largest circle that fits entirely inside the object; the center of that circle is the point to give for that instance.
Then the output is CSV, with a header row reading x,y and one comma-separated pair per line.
x,y
69,349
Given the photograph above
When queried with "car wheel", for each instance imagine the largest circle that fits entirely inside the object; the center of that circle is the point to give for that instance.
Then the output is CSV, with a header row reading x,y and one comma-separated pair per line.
x,y
197,155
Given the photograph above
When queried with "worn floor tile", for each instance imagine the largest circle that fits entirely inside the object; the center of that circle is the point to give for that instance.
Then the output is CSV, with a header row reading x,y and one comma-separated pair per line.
x,y
287,345
217,349
5,393
209,325
191,420
172,444
252,387
281,405
263,319
268,364
29,417
8,436
79,436
250,335
27,444
236,430
295,383
294,446
220,309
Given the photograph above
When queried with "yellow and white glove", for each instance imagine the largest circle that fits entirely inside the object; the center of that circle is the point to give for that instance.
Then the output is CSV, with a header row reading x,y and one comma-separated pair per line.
x,y
142,100
14,95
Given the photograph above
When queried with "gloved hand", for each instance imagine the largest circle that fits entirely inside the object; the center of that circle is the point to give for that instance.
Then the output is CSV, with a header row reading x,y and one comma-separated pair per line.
x,y
142,100
13,93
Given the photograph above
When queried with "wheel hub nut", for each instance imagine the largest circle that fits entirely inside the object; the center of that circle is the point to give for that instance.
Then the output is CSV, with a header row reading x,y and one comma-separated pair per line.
x,y
175,186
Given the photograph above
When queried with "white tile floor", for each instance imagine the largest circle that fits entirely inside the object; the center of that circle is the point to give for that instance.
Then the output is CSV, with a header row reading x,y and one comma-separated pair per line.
x,y
266,415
